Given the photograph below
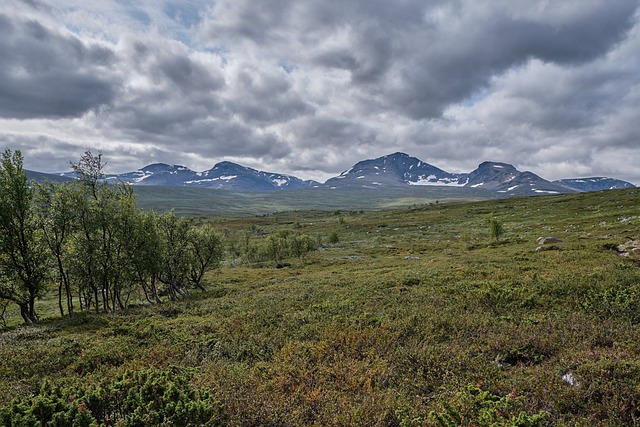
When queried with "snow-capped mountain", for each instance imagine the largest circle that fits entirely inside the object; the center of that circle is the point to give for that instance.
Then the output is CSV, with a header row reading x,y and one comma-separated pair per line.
x,y
594,183
392,170
401,169
224,175
156,174
505,179
232,176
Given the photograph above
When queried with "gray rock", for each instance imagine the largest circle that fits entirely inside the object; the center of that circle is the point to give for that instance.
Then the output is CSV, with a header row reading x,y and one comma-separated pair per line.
x,y
630,249
545,240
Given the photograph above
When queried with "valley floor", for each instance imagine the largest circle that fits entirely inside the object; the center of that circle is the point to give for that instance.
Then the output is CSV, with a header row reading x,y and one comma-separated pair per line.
x,y
413,317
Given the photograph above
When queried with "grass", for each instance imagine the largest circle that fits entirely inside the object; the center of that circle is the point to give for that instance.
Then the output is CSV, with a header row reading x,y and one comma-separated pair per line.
x,y
415,317
204,202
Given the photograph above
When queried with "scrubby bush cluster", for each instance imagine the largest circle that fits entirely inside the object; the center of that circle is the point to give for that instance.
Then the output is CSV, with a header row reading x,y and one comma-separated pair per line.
x,y
142,398
282,245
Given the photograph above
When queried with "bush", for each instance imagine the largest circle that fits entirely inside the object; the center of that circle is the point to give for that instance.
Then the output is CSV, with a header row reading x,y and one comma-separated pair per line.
x,y
473,406
615,301
495,228
143,398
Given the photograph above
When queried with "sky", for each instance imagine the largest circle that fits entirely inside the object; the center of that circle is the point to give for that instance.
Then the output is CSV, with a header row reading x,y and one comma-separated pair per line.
x,y
311,87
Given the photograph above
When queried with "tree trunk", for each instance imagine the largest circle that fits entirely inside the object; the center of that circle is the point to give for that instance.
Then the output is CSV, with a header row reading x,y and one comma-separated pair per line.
x,y
67,289
119,299
24,312
154,289
80,298
146,292
105,300
60,298
3,309
64,277
32,309
95,291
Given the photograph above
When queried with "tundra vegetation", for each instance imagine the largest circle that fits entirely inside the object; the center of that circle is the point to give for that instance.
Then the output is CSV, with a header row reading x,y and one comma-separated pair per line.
x,y
413,316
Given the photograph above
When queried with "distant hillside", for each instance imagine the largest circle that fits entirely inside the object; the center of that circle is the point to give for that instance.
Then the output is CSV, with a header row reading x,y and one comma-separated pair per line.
x,y
223,176
188,201
41,177
595,184
393,171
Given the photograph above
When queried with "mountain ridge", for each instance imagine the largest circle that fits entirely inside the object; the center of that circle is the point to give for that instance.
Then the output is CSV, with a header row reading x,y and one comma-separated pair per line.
x,y
393,170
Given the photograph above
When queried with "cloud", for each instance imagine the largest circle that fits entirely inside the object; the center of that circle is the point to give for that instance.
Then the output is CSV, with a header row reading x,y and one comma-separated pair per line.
x,y
42,152
45,73
418,58
316,86
167,87
262,97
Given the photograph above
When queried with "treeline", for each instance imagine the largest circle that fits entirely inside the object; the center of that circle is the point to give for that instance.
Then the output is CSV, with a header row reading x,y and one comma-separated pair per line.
x,y
90,239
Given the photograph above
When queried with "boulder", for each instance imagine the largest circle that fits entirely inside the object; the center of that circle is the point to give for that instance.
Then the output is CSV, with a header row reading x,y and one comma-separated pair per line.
x,y
630,249
546,240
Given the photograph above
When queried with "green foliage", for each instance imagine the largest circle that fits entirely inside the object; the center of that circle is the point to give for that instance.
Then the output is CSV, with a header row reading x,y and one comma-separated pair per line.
x,y
279,246
333,238
142,398
90,238
100,259
475,407
206,253
616,301
23,262
174,238
57,207
495,228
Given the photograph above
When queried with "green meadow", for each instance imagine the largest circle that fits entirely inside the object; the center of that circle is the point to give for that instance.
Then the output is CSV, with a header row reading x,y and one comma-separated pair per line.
x,y
403,316
194,202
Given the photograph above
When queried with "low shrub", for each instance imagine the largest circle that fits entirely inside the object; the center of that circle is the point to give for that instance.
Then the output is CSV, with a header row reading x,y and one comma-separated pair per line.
x,y
475,407
142,398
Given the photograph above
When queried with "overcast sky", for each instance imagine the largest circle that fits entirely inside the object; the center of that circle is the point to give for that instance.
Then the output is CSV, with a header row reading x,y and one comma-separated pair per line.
x,y
311,87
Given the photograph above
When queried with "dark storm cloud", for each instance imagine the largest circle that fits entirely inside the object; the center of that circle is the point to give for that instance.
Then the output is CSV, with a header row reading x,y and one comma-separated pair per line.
x,y
450,68
334,132
44,73
167,91
368,63
262,97
175,97
216,139
171,68
416,57
178,100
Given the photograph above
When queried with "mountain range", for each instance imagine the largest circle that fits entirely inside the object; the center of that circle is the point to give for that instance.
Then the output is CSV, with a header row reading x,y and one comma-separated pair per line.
x,y
224,175
393,170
